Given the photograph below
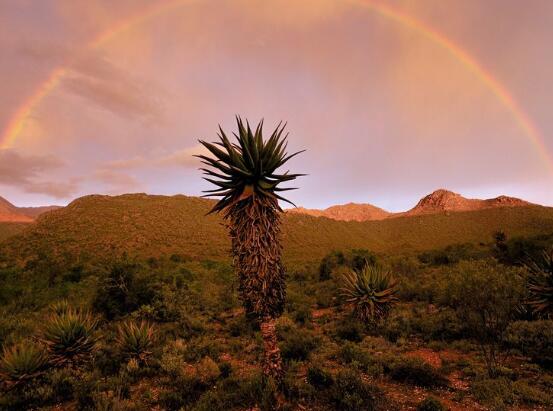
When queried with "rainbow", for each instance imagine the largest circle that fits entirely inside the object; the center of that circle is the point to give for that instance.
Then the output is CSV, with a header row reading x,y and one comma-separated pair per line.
x,y
18,121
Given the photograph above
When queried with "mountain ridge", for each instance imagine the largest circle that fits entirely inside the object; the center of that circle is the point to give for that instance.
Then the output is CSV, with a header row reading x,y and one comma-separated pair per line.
x,y
10,213
439,201
103,227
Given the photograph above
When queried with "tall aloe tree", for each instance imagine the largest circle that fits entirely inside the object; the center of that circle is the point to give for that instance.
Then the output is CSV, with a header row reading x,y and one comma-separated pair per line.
x,y
246,177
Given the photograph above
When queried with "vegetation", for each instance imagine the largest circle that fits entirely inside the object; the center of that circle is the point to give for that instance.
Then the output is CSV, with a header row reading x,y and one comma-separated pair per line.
x,y
69,337
487,298
169,330
8,230
21,363
248,184
144,226
371,291
541,284
136,340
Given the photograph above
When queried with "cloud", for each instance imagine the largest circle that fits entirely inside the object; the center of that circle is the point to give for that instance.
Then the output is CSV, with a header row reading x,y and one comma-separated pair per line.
x,y
118,182
92,76
96,79
53,189
22,171
181,158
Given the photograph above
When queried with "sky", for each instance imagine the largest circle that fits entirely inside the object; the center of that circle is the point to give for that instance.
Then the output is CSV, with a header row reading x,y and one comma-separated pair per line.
x,y
391,99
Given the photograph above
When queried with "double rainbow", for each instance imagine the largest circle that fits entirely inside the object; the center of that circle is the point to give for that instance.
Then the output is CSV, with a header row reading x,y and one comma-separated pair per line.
x,y
17,123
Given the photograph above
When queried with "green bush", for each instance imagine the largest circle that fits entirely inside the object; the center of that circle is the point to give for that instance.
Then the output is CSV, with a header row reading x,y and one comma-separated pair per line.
x,y
350,393
233,393
431,404
527,393
495,393
354,259
319,378
297,344
486,298
452,254
123,290
417,372
351,353
533,339
350,329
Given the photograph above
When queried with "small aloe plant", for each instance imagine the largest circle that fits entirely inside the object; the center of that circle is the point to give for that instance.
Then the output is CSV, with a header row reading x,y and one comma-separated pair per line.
x,y
22,362
70,337
371,291
540,285
135,340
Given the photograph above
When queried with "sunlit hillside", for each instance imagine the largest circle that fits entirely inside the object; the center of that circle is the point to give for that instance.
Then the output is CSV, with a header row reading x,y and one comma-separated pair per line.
x,y
150,226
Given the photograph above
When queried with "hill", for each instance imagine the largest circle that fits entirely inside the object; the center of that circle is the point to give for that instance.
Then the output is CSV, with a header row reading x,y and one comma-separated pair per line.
x,y
12,214
437,202
346,212
151,225
448,201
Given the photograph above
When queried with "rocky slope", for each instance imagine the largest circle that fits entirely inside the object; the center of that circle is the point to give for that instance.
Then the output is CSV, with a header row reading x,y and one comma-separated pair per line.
x,y
448,201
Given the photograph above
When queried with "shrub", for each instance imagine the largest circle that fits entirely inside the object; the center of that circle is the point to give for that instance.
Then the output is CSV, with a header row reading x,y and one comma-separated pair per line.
x,y
298,344
208,370
486,298
319,378
451,254
529,394
350,393
135,340
431,404
371,291
350,329
329,263
355,260
70,337
533,339
495,393
361,257
233,393
22,363
352,354
225,368
200,347
302,314
417,372
122,290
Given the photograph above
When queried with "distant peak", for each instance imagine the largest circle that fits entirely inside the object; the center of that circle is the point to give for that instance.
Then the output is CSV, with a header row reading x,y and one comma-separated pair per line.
x,y
440,197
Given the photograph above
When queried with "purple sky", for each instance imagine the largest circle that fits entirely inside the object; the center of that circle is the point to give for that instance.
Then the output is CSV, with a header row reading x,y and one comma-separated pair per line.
x,y
387,115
